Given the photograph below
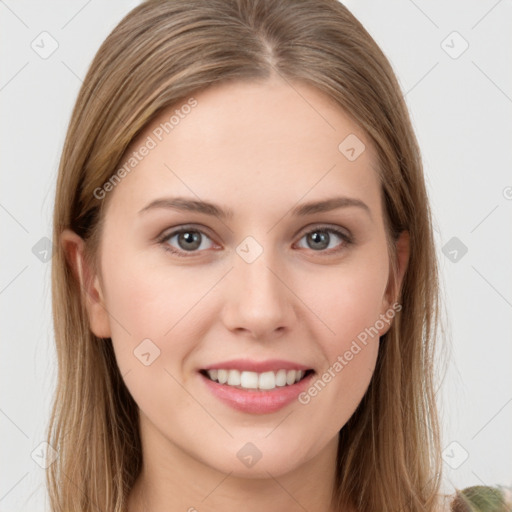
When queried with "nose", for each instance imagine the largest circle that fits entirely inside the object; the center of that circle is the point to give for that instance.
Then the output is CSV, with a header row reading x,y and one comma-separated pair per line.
x,y
259,300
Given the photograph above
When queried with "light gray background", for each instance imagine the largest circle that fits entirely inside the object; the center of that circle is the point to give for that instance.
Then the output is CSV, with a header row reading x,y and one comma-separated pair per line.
x,y
461,109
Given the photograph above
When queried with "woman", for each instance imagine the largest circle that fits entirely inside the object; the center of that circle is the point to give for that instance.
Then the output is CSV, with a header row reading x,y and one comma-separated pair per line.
x,y
245,291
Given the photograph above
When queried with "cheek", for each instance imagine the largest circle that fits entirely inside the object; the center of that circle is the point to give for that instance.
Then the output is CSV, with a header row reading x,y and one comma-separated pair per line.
x,y
141,305
147,299
349,305
350,298
149,324
349,302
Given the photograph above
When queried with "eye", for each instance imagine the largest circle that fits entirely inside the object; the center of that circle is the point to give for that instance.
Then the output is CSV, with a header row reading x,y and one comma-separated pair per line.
x,y
187,239
192,240
320,239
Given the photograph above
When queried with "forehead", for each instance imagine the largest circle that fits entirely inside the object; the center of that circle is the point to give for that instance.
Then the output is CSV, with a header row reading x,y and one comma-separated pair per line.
x,y
252,142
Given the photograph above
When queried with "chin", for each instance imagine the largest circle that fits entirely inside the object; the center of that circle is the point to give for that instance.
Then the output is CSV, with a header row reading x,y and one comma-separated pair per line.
x,y
260,458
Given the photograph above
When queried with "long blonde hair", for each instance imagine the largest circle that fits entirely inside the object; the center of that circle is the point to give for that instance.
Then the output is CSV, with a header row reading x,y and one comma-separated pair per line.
x,y
163,51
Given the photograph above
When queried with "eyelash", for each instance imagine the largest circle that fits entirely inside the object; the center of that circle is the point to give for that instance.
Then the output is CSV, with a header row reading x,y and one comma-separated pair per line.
x,y
163,240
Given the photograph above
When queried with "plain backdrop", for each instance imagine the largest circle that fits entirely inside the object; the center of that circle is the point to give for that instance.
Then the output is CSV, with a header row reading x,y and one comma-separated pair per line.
x,y
453,63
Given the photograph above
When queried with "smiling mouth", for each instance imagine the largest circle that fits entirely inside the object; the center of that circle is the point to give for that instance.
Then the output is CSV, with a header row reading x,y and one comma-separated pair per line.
x,y
264,381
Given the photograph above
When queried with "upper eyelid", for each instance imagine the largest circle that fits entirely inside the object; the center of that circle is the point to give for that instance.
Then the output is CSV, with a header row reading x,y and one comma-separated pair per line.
x,y
170,232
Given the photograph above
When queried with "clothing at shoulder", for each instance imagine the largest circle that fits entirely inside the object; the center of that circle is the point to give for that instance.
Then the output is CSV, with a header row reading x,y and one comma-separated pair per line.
x,y
482,498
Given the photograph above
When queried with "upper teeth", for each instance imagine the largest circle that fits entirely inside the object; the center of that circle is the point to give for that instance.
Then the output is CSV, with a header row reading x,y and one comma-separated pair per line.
x,y
253,380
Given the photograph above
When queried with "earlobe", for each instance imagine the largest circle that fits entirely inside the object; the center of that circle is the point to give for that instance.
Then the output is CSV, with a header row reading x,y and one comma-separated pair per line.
x,y
88,281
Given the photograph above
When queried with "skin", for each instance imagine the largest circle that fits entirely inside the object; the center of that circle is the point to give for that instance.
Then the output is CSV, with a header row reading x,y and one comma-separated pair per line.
x,y
259,148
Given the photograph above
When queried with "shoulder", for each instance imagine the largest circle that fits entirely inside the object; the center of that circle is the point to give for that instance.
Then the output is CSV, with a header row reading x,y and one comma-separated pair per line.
x,y
482,498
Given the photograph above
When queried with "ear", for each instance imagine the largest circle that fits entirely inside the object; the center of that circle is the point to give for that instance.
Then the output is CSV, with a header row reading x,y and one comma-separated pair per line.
x,y
89,282
402,249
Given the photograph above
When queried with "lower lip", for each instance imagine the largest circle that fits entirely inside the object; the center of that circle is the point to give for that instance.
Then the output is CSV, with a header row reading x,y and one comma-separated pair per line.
x,y
256,401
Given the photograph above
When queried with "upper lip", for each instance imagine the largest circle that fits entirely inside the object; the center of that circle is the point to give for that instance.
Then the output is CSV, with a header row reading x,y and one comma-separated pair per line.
x,y
257,366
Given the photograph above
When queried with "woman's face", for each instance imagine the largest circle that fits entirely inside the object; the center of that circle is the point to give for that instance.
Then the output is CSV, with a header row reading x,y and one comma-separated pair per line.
x,y
268,288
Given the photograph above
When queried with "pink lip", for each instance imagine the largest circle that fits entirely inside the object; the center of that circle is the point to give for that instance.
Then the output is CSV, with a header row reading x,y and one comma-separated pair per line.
x,y
256,401
270,365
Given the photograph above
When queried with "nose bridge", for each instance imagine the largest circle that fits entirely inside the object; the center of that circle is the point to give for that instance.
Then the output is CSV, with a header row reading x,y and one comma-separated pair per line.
x,y
259,301
259,278
255,269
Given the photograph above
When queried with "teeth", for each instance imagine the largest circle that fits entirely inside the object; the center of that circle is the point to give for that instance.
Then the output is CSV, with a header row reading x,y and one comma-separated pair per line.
x,y
267,380
253,380
290,377
234,378
248,380
281,378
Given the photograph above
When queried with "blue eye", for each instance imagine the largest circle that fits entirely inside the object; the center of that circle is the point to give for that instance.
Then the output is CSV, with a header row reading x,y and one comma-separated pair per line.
x,y
190,240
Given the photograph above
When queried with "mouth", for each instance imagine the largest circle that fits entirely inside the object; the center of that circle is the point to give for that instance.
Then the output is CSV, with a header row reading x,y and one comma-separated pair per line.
x,y
256,387
256,381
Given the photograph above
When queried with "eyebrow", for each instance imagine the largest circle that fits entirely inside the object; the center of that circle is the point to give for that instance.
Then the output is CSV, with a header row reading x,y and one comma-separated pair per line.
x,y
192,205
